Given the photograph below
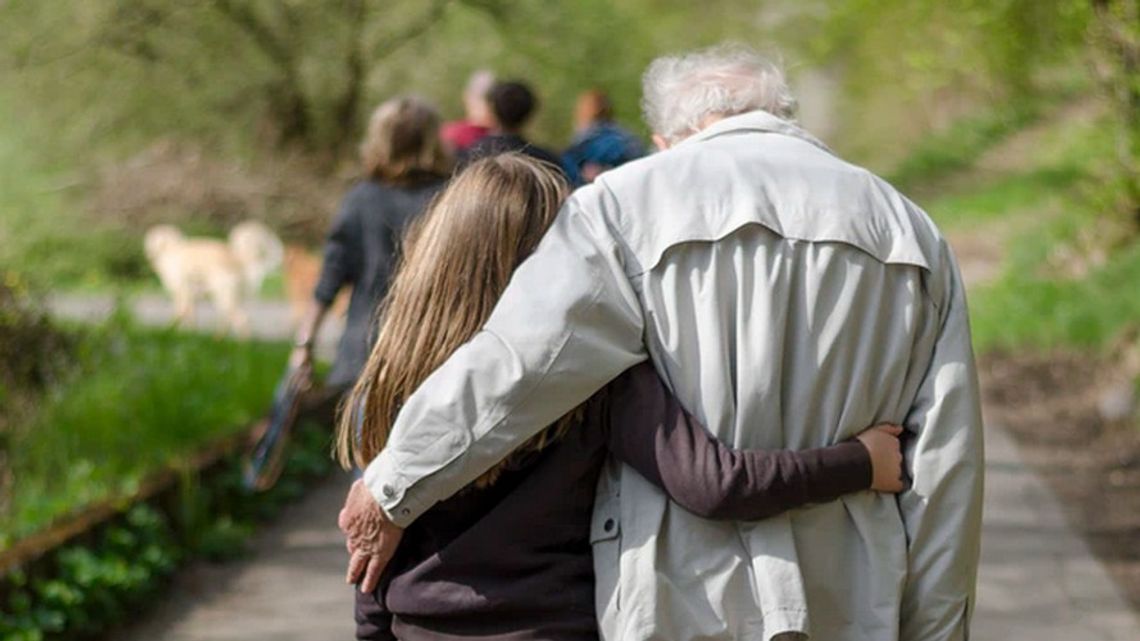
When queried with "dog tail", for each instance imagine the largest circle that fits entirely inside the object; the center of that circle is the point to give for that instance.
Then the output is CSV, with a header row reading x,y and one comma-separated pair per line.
x,y
258,250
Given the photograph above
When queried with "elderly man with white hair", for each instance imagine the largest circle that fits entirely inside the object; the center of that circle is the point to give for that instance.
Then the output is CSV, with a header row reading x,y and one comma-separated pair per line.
x,y
771,284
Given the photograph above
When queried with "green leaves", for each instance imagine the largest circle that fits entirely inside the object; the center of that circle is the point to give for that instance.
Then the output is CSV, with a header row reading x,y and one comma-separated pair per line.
x,y
88,587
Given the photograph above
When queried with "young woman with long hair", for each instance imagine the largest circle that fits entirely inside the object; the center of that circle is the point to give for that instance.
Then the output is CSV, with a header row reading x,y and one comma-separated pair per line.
x,y
509,556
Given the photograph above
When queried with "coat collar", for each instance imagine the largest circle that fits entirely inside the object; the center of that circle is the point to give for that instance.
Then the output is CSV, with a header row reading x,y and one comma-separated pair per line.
x,y
755,121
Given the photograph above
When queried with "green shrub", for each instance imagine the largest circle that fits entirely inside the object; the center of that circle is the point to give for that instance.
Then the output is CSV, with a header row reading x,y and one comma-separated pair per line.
x,y
32,348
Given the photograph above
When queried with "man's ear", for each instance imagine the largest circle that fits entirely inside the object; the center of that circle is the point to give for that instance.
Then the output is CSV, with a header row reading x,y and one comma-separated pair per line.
x,y
660,142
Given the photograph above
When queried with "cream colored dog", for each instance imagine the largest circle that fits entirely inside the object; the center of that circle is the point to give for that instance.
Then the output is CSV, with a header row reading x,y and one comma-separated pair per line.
x,y
225,271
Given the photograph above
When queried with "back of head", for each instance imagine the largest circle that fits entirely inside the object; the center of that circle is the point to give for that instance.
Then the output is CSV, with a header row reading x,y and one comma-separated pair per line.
x,y
457,260
512,103
402,144
681,92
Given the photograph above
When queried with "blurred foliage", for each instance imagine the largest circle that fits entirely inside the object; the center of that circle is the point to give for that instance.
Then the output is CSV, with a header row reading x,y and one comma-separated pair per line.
x,y
87,588
238,73
32,349
1116,42
908,68
304,72
44,232
1064,277
960,145
34,354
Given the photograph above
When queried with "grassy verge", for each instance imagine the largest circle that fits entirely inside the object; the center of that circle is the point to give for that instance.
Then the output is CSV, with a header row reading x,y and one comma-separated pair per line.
x,y
136,401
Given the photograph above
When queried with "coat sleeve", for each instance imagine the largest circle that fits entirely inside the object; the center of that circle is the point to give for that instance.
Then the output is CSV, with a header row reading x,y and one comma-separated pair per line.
x,y
650,431
341,252
568,323
943,508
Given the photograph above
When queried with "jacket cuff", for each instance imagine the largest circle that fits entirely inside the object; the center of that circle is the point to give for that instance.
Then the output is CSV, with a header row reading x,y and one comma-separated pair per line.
x,y
390,492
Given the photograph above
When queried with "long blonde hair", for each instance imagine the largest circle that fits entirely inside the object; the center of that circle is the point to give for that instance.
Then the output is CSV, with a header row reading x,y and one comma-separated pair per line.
x,y
402,144
457,260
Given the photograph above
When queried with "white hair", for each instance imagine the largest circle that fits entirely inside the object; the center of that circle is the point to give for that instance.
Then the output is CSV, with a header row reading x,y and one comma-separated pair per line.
x,y
680,92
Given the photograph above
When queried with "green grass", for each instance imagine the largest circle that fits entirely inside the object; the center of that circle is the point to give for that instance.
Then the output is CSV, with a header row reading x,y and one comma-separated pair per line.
x,y
139,400
1007,195
1032,311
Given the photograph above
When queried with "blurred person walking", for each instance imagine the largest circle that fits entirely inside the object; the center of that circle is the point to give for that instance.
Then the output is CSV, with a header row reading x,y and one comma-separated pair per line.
x,y
599,143
789,298
404,165
512,105
459,135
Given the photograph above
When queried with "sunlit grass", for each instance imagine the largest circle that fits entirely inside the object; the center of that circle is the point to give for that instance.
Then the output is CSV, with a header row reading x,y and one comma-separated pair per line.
x,y
139,400
1021,193
1045,313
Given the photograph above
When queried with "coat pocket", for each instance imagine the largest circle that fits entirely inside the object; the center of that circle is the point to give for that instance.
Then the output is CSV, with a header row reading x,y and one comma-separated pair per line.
x,y
605,539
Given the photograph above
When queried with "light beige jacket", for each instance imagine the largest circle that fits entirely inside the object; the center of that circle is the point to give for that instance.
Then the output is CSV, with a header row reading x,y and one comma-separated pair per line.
x,y
790,300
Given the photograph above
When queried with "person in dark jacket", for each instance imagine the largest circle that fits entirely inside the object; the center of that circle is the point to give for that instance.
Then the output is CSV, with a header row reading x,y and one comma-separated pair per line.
x,y
404,166
599,143
510,556
512,105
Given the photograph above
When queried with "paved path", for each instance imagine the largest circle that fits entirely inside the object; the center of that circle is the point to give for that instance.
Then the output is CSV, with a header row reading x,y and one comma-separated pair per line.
x,y
1038,580
290,589
268,319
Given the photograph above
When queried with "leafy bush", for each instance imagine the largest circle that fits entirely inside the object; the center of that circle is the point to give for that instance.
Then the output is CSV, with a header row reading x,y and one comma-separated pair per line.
x,y
33,352
32,349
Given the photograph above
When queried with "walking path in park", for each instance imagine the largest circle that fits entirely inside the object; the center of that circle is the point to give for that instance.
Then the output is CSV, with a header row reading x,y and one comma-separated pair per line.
x,y
1038,579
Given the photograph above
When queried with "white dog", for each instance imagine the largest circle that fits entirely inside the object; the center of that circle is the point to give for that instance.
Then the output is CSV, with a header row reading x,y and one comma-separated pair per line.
x,y
226,271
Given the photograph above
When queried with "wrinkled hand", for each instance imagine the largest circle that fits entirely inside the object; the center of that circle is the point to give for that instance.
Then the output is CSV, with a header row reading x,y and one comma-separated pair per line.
x,y
371,537
882,443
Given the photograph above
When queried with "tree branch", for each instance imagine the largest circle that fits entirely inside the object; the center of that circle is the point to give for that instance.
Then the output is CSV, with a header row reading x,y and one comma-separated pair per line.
x,y
242,16
430,17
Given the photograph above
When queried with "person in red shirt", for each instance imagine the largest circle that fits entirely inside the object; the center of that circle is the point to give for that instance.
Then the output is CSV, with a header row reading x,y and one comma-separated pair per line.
x,y
459,135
